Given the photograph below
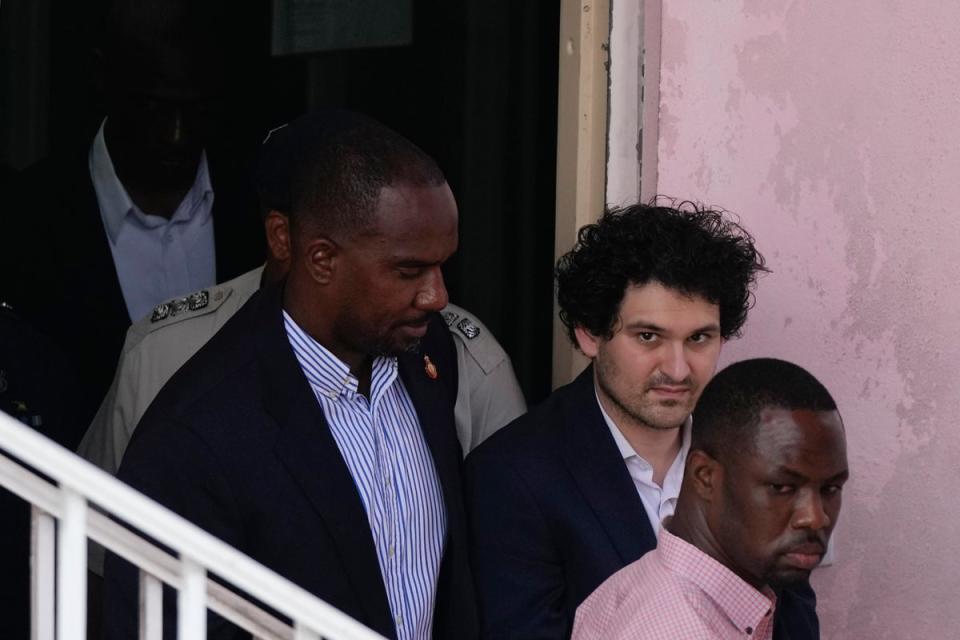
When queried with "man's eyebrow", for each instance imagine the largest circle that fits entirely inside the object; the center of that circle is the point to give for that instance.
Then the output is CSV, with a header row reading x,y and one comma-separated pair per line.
x,y
781,470
786,471
842,476
409,261
643,325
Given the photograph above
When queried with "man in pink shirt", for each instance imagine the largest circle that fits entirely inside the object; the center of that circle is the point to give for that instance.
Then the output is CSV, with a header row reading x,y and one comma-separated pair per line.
x,y
761,493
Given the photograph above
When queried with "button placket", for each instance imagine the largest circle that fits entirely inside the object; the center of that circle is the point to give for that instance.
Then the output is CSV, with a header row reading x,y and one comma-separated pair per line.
x,y
388,486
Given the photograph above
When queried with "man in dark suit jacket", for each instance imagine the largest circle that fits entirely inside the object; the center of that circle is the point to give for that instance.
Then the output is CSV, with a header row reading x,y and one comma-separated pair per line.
x,y
255,439
163,91
576,489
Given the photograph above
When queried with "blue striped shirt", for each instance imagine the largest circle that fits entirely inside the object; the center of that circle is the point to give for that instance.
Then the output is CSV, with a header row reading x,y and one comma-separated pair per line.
x,y
381,441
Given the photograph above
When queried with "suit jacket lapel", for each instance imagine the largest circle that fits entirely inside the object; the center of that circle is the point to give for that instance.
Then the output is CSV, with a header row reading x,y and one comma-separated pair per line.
x,y
433,399
309,452
598,468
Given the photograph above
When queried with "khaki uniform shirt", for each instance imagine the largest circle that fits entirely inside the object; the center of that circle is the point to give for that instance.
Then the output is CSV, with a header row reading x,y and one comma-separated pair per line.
x,y
488,394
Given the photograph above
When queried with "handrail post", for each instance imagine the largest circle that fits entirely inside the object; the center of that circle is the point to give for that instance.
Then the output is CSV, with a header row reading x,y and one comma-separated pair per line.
x,y
72,568
43,540
192,602
151,607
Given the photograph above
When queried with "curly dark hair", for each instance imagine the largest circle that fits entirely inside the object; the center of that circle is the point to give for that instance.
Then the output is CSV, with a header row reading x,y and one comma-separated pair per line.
x,y
687,247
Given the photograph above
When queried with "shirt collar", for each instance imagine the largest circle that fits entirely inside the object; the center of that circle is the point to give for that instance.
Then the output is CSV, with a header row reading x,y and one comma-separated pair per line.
x,y
115,202
327,374
743,605
627,452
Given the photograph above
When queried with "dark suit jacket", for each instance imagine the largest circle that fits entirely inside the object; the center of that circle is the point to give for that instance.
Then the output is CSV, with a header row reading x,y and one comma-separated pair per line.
x,y
237,443
57,271
553,513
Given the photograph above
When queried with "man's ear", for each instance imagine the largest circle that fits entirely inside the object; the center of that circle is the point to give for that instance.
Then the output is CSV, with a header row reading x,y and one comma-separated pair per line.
x,y
704,473
320,257
589,344
277,227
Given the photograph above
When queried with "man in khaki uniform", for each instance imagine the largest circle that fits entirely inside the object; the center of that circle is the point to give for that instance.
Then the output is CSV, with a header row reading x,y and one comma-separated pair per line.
x,y
488,395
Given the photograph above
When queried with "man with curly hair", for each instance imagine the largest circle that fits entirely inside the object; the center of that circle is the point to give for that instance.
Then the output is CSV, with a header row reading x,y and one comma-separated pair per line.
x,y
576,489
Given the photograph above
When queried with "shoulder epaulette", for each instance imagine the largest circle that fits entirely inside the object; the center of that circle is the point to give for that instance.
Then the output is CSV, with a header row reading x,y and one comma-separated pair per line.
x,y
196,304
474,336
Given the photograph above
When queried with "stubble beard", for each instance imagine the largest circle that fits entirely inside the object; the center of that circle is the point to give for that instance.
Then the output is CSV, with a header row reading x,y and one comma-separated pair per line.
x,y
384,346
376,344
641,410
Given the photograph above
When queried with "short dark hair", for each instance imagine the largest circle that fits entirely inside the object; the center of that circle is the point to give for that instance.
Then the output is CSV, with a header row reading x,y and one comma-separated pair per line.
x,y
328,167
728,412
687,247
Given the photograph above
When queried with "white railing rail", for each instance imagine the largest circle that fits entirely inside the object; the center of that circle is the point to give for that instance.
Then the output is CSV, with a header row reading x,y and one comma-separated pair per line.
x,y
59,557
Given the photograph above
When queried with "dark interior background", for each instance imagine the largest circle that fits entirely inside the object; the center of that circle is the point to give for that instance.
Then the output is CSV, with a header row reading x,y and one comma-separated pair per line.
x,y
477,89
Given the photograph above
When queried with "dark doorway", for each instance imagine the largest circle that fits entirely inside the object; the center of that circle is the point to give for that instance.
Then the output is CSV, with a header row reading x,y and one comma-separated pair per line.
x,y
477,89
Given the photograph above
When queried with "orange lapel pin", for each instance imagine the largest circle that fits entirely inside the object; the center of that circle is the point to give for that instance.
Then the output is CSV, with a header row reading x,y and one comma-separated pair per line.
x,y
430,368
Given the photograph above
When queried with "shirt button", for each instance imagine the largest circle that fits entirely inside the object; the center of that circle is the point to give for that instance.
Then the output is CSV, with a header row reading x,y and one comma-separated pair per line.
x,y
749,630
399,621
390,551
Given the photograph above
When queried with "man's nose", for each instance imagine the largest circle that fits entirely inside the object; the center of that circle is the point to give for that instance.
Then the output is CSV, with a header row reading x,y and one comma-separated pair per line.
x,y
433,295
810,512
675,365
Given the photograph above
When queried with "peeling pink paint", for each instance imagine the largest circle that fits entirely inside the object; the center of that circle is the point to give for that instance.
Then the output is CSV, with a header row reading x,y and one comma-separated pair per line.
x,y
833,129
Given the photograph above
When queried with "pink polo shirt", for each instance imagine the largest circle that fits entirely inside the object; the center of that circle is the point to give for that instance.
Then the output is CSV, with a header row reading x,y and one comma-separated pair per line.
x,y
675,591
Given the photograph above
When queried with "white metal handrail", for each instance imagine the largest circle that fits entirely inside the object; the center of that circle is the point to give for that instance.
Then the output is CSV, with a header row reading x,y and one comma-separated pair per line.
x,y
79,483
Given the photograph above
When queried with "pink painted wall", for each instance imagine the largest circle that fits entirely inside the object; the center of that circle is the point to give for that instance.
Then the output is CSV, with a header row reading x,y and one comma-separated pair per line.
x,y
833,128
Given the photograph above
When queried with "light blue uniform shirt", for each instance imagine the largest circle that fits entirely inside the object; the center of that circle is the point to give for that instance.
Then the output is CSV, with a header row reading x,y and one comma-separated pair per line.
x,y
156,259
382,443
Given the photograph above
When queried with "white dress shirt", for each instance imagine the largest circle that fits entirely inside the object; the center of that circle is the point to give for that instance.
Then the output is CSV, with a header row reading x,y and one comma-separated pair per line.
x,y
659,502
156,259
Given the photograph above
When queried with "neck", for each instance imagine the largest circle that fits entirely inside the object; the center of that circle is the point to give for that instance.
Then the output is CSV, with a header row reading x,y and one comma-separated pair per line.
x,y
689,523
318,328
156,203
152,199
274,271
659,447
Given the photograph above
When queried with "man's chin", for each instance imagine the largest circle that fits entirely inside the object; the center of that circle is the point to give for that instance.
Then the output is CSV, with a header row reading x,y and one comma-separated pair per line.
x,y
395,348
668,417
789,577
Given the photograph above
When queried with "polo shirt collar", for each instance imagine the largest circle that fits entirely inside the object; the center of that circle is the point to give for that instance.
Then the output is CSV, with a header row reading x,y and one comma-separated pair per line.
x,y
743,605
